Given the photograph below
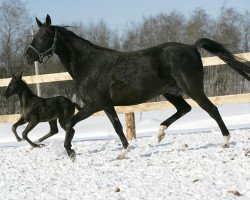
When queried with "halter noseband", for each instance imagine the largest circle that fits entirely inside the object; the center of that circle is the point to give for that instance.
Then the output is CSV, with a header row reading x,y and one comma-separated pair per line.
x,y
48,52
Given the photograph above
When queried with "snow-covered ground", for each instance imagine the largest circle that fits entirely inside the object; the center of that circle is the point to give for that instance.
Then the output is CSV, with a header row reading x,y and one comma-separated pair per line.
x,y
188,164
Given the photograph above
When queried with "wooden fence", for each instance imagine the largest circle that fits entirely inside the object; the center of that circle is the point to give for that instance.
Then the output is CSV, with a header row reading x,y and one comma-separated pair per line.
x,y
130,110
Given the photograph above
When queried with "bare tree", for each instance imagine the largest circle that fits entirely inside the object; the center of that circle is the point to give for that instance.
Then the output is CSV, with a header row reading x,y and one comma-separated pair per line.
x,y
229,28
130,38
13,32
200,24
246,32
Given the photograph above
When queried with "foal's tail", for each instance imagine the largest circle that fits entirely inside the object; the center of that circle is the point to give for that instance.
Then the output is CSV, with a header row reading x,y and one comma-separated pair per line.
x,y
233,61
77,106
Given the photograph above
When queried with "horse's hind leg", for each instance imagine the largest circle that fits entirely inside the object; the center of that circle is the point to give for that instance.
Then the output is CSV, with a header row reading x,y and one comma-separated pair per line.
x,y
212,110
182,108
53,131
192,84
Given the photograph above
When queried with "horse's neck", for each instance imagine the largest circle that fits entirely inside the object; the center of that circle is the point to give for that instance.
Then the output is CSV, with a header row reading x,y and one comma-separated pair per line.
x,y
70,50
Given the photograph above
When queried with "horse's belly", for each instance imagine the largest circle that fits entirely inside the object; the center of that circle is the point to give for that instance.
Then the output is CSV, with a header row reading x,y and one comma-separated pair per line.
x,y
130,96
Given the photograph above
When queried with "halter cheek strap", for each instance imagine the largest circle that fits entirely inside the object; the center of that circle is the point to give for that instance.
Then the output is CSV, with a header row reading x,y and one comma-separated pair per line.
x,y
48,52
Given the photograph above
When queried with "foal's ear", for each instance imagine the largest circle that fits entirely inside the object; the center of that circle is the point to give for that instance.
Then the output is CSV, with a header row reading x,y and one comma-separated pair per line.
x,y
39,23
48,20
19,76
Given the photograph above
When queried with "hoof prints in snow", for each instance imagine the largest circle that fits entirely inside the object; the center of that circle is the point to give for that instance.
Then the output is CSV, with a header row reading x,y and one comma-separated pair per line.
x,y
184,166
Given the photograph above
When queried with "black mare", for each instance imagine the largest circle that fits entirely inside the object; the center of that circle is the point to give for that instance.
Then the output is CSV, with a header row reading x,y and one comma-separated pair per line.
x,y
34,109
105,78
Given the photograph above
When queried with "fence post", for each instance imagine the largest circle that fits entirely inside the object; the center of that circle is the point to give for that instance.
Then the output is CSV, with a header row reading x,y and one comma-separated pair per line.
x,y
130,126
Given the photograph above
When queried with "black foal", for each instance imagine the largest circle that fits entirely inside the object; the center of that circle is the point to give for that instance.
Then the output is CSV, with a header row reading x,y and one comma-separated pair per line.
x,y
34,109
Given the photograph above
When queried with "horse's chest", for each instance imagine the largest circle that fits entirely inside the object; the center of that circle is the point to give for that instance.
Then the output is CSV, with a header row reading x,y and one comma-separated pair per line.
x,y
24,112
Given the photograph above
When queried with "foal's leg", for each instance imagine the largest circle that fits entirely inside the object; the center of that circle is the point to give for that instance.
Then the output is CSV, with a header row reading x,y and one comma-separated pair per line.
x,y
112,115
20,122
182,108
84,113
28,128
53,131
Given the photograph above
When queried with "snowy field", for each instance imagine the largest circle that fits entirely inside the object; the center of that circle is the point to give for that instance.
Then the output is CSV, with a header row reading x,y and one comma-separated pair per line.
x,y
188,164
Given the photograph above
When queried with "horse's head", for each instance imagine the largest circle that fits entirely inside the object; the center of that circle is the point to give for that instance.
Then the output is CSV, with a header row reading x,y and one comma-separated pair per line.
x,y
14,86
43,43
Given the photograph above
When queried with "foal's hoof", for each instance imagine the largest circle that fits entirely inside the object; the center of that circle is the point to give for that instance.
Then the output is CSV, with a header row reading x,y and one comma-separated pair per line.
x,y
225,146
39,145
20,139
72,155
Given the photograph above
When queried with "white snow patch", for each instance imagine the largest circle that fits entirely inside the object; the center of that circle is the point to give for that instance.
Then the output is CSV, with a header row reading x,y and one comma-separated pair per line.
x,y
189,163
200,170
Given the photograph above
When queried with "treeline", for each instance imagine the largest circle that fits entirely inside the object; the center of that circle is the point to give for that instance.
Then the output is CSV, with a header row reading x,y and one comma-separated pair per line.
x,y
230,27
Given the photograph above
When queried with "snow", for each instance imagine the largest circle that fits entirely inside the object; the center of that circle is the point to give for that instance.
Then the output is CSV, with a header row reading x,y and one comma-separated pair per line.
x,y
188,164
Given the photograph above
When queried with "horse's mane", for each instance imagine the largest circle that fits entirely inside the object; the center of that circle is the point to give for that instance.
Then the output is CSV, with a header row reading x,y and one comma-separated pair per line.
x,y
70,33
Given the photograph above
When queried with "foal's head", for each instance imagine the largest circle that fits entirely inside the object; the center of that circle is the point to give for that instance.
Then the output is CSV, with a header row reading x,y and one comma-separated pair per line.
x,y
15,86
43,43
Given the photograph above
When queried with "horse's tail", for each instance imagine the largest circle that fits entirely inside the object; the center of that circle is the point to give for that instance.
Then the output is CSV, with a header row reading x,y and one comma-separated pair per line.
x,y
77,106
219,50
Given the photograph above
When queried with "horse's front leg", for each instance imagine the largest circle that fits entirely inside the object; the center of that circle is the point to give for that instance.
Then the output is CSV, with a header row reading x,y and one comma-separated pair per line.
x,y
84,113
112,115
20,122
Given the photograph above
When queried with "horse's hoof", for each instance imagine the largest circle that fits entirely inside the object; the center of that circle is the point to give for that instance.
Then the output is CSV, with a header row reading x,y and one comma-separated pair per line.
x,y
225,142
161,135
41,145
72,155
123,154
29,148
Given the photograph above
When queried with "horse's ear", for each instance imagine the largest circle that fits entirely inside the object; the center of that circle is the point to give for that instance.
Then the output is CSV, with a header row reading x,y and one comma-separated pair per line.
x,y
39,23
13,75
20,75
48,20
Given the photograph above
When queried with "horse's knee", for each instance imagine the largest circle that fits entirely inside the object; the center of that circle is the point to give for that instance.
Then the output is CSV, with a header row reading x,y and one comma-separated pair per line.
x,y
184,110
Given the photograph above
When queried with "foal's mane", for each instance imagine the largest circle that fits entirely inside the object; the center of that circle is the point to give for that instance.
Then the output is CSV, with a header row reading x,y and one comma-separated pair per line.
x,y
24,86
